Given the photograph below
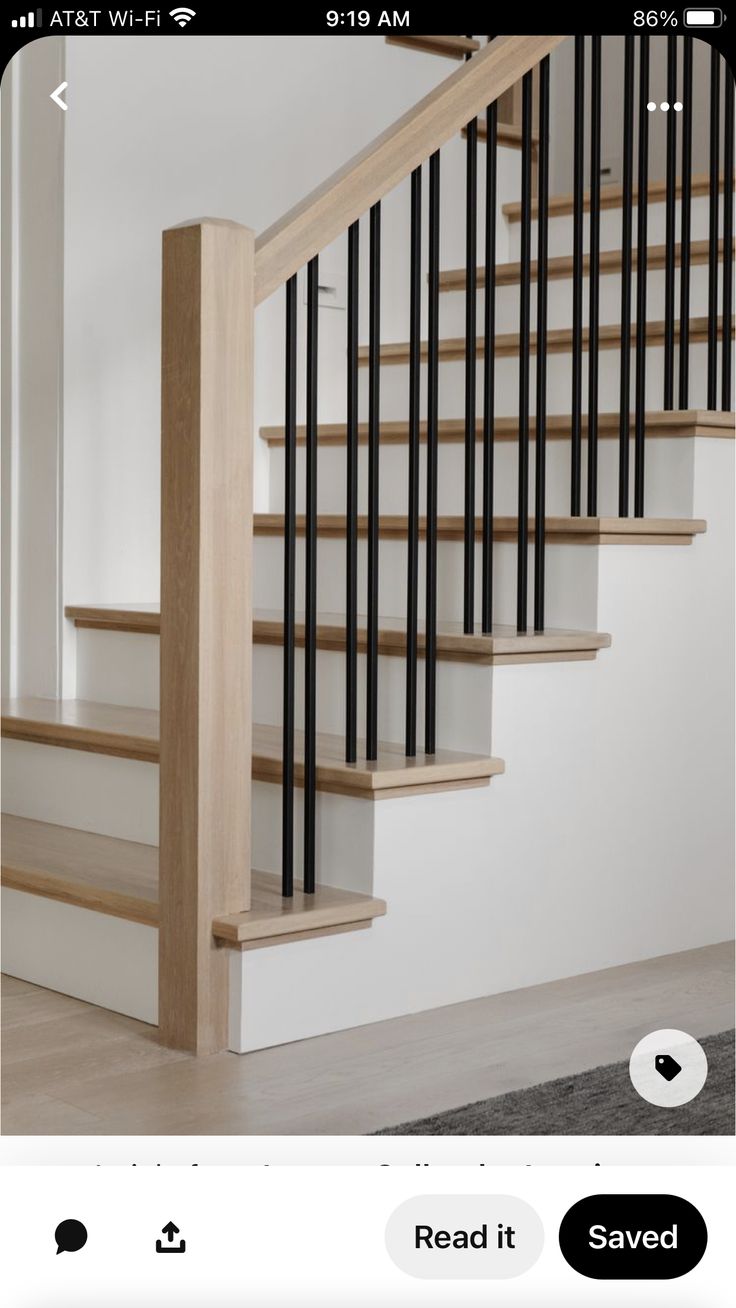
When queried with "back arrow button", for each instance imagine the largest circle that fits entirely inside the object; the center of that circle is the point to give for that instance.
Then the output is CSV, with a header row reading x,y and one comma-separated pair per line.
x,y
56,96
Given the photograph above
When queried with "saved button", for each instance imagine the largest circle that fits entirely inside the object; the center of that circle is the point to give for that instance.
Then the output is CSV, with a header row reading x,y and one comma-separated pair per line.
x,y
633,1237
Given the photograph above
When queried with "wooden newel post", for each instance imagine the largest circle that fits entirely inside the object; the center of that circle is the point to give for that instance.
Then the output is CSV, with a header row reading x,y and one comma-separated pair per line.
x,y
206,628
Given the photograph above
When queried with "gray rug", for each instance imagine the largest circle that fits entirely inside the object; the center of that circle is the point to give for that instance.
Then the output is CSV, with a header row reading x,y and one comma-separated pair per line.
x,y
600,1102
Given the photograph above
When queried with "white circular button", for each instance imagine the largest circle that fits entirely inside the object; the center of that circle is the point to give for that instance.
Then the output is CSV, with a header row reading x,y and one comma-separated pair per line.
x,y
668,1068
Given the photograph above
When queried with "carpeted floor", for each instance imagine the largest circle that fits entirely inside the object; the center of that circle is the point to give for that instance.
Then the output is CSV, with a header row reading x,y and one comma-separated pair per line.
x,y
600,1102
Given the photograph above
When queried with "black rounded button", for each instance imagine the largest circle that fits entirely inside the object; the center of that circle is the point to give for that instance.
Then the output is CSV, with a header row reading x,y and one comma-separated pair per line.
x,y
633,1237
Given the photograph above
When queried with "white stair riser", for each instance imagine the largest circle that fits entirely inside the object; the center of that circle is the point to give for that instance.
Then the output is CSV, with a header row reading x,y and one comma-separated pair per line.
x,y
559,302
74,788
92,956
394,390
395,383
570,579
463,697
463,690
561,228
119,797
668,477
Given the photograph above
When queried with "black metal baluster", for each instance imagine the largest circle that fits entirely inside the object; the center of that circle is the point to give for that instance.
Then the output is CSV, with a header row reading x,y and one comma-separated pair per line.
x,y
727,240
541,417
430,634
412,584
522,556
576,435
374,387
685,219
471,229
287,749
669,263
715,96
626,264
489,363
594,271
351,524
310,585
642,201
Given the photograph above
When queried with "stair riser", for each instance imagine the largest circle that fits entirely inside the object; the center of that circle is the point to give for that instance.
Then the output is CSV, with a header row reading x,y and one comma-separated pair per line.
x,y
668,477
91,956
119,797
395,381
395,384
570,584
452,304
464,690
561,228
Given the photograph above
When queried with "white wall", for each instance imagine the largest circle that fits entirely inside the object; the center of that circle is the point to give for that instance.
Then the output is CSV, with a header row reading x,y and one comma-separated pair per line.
x,y
158,132
32,315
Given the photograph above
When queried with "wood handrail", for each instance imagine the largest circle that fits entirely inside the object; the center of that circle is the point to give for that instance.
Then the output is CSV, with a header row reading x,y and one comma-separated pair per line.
x,y
349,193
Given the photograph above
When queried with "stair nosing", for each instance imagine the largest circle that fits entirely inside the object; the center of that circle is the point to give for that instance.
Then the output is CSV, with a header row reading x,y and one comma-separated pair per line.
x,y
659,423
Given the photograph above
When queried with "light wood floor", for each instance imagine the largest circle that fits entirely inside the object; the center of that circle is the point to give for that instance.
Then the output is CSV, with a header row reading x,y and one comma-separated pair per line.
x,y
70,1068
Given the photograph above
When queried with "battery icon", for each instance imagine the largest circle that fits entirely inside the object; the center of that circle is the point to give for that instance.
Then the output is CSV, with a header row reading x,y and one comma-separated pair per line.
x,y
703,17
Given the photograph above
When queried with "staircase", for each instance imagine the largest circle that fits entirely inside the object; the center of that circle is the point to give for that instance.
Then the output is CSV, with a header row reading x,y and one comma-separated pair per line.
x,y
441,542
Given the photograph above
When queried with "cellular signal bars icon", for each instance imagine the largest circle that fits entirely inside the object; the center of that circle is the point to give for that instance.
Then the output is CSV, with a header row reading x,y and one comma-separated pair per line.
x,y
30,20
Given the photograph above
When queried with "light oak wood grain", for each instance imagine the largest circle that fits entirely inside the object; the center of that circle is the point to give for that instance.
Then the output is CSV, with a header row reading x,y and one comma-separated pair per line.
x,y
206,569
684,423
559,530
559,341
449,47
75,724
611,197
69,1068
561,266
452,642
117,877
82,724
350,192
272,917
459,47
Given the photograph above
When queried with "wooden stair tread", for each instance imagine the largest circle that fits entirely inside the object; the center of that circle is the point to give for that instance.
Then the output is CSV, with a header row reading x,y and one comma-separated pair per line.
x,y
596,531
678,422
133,733
271,916
117,877
120,878
611,197
561,265
559,341
450,47
504,644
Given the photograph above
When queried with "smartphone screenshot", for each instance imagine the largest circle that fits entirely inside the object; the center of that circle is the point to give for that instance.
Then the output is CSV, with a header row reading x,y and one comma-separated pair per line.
x,y
367,406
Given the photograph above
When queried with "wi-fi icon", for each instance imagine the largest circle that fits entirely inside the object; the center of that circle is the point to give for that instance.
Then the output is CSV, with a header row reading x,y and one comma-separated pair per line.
x,y
181,16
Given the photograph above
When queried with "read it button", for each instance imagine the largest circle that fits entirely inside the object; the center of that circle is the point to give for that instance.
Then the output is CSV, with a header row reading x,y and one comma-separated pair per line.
x,y
633,1237
473,1236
